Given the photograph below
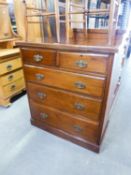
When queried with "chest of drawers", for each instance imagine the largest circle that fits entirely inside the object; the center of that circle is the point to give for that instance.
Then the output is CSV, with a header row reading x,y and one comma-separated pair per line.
x,y
11,75
69,92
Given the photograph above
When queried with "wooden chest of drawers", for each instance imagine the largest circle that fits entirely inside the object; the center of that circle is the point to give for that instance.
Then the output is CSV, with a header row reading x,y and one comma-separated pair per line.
x,y
11,75
69,92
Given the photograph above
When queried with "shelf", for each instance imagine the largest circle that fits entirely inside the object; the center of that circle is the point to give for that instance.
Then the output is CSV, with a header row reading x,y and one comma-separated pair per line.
x,y
4,3
7,40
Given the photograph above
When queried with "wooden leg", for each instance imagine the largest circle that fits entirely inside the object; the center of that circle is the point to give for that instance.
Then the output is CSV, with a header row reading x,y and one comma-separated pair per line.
x,y
67,21
6,102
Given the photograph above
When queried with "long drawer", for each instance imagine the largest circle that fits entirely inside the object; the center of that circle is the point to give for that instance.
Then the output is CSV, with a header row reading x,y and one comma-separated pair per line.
x,y
64,122
65,101
11,77
12,88
9,66
93,86
84,62
39,57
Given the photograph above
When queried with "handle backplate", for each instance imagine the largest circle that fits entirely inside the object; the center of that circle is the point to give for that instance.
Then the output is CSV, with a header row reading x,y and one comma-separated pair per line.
x,y
13,87
79,106
10,77
43,115
38,58
39,76
41,95
80,85
77,128
9,67
81,63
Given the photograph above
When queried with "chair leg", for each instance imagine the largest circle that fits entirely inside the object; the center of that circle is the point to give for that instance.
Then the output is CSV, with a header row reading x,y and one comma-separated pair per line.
x,y
57,17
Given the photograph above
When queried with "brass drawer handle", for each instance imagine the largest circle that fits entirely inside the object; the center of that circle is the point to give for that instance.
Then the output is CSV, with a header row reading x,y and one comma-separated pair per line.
x,y
41,95
77,128
80,85
38,58
10,77
9,67
81,64
39,76
43,115
12,88
79,106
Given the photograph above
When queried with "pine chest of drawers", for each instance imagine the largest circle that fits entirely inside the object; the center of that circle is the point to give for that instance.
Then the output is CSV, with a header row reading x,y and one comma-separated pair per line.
x,y
11,75
70,90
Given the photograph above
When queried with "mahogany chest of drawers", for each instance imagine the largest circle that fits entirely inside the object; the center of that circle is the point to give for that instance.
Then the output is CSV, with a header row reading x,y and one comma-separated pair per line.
x,y
70,91
11,75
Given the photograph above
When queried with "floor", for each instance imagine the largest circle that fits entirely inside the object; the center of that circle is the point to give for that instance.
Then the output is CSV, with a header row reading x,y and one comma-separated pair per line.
x,y
27,150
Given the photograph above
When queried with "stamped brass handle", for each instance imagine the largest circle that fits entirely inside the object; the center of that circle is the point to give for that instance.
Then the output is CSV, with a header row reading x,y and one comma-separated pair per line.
x,y
80,85
9,67
77,128
39,76
43,115
79,106
41,95
38,58
12,87
81,63
10,77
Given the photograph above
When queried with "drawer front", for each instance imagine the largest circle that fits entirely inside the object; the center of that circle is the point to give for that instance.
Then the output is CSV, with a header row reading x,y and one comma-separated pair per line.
x,y
10,78
65,101
39,57
64,122
9,66
84,62
13,88
69,81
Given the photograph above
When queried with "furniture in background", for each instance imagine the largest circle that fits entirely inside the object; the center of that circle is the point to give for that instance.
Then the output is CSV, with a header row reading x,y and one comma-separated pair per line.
x,y
73,13
11,73
72,80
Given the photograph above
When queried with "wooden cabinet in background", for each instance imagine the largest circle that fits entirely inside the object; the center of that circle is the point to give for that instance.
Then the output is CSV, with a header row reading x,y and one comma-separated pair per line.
x,y
11,75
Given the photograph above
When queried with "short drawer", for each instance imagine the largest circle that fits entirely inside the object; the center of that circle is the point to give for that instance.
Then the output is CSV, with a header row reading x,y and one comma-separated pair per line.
x,y
65,101
12,88
96,63
93,86
39,57
76,127
11,77
9,66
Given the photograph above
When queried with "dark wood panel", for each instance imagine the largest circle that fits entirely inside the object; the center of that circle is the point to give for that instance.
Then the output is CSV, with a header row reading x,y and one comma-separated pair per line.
x,y
84,62
79,141
65,101
39,57
60,120
93,86
76,47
